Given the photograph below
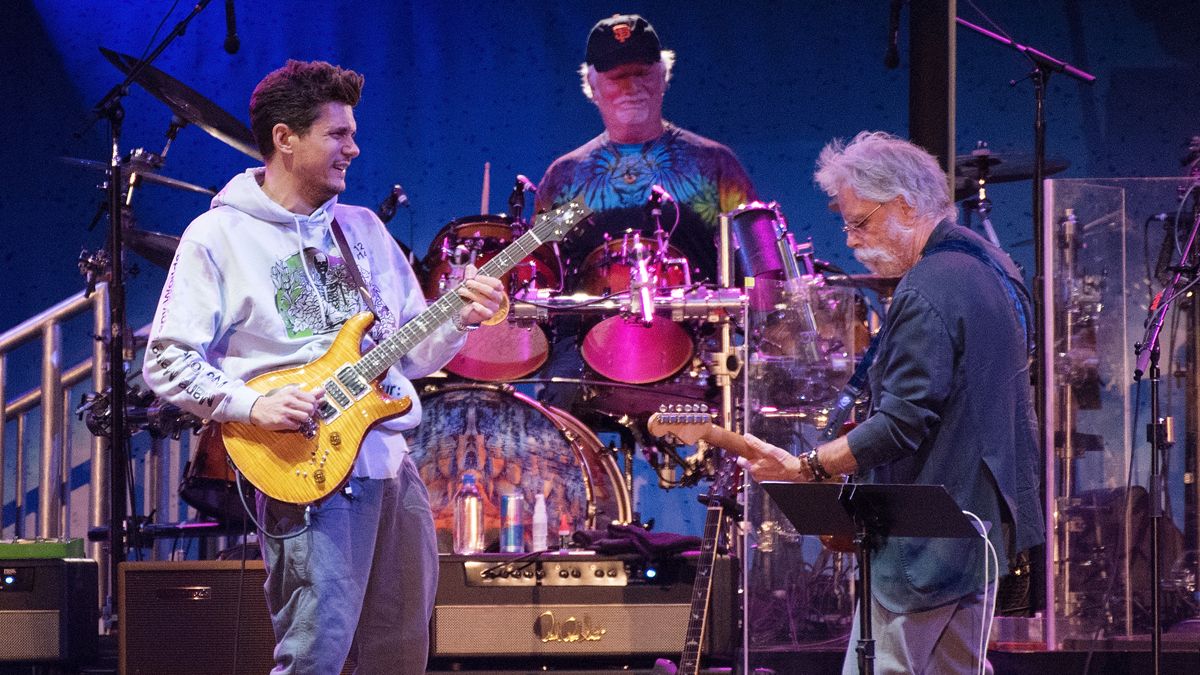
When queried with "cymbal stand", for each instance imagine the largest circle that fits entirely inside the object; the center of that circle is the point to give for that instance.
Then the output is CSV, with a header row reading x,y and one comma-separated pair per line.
x,y
110,108
981,161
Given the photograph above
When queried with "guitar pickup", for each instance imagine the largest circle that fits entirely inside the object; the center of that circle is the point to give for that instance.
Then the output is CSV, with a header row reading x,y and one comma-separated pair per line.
x,y
326,411
336,394
354,383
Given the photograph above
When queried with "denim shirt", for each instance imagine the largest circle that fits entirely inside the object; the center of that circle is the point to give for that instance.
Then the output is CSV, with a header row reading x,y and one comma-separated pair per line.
x,y
951,405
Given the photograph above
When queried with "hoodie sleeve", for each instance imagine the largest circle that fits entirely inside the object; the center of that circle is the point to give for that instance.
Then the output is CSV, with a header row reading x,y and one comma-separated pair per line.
x,y
186,325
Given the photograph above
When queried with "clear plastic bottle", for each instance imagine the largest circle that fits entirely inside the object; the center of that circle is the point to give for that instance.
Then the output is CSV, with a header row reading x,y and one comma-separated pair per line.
x,y
540,525
468,517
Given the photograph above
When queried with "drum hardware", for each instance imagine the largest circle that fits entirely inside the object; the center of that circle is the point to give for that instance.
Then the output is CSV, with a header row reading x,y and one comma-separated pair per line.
x,y
872,282
143,412
187,103
973,171
700,303
140,165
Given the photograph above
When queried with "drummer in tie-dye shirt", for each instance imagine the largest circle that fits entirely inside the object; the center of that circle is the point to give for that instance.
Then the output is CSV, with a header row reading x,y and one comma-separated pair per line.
x,y
625,75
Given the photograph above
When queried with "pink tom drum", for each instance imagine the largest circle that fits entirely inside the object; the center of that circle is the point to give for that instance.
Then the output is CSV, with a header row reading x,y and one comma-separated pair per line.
x,y
513,444
623,348
506,351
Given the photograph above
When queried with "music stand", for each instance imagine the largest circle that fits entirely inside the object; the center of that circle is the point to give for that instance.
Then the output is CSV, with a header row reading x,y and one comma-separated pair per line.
x,y
866,512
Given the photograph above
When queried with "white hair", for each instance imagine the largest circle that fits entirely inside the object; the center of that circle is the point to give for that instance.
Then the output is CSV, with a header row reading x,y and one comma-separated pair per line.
x,y
880,167
587,72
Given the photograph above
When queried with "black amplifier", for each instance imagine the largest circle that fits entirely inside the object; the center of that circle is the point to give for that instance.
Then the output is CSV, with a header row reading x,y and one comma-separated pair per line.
x,y
49,610
571,605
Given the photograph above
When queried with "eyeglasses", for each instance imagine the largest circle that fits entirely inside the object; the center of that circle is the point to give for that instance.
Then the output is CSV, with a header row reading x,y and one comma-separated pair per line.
x,y
848,228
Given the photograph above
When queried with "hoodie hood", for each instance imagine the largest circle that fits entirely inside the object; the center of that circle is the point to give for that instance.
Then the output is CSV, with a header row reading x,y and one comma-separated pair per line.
x,y
245,193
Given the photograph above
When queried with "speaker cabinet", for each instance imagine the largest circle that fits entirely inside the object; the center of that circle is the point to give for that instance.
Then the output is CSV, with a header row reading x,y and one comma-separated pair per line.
x,y
574,606
179,617
48,610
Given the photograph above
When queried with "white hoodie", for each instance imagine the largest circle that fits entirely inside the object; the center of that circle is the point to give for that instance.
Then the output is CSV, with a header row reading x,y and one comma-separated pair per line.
x,y
254,288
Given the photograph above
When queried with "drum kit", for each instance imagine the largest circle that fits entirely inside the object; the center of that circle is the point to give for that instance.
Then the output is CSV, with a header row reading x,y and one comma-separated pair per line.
x,y
646,333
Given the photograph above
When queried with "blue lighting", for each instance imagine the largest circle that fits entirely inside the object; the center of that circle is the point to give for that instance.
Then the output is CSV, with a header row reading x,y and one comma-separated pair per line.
x,y
651,572
8,580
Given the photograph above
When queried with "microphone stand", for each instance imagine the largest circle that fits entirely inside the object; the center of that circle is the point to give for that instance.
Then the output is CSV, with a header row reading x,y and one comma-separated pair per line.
x,y
1043,65
1147,353
111,109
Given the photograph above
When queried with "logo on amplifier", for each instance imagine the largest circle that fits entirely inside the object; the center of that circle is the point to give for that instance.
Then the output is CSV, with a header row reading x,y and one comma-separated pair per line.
x,y
571,629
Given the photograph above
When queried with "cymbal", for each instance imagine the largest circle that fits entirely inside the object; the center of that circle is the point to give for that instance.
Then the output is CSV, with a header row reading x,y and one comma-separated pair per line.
x,y
144,170
156,247
189,104
997,167
871,282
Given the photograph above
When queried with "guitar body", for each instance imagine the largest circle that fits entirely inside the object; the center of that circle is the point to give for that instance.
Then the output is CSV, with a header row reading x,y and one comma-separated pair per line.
x,y
300,468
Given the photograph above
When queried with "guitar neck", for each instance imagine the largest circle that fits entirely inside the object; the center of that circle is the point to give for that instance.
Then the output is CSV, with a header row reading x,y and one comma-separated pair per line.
x,y
375,362
693,643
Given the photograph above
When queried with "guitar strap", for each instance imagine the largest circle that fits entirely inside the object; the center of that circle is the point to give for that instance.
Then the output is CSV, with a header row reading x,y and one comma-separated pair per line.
x,y
850,393
355,273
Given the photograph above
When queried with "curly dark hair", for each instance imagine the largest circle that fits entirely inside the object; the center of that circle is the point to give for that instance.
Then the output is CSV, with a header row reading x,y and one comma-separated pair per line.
x,y
294,95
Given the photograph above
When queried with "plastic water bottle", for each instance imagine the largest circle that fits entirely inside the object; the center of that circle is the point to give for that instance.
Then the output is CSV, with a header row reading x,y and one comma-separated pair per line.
x,y
468,517
539,524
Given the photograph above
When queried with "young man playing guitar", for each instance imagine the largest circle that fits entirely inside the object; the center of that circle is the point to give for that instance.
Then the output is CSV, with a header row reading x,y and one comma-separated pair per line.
x,y
260,283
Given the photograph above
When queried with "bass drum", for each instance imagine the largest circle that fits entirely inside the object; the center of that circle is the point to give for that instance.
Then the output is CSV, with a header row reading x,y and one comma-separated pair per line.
x,y
505,351
513,444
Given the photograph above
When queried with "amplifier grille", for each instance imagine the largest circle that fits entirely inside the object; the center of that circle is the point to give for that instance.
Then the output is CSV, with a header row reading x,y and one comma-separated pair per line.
x,y
29,635
559,630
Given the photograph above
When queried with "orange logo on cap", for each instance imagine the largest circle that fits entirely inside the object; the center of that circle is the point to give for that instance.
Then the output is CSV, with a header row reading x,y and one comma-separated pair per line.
x,y
622,31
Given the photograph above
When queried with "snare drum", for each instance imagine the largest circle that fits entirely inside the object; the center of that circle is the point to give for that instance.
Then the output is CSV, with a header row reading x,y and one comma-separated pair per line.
x,y
506,351
513,445
623,348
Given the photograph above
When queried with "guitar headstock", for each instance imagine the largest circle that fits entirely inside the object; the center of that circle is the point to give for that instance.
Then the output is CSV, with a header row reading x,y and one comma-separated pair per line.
x,y
554,224
686,422
726,480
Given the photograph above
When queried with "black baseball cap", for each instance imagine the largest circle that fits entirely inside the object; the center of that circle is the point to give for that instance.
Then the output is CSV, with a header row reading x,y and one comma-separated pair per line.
x,y
621,39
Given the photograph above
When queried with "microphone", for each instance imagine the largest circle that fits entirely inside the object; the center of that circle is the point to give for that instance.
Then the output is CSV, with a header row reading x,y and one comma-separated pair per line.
x,y
526,184
516,200
232,43
891,58
387,208
658,192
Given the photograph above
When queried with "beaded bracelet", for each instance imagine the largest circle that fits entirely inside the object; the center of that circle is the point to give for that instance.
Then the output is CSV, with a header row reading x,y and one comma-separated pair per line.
x,y
461,326
814,465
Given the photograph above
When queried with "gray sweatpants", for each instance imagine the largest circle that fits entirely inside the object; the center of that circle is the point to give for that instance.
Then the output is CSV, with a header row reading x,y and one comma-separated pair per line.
x,y
361,579
935,641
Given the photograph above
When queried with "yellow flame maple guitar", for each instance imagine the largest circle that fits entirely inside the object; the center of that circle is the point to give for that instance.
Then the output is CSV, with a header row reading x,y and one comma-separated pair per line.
x,y
307,465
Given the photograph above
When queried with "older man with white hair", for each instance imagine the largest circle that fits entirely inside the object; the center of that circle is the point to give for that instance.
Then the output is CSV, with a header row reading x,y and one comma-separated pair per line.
x,y
950,403
625,73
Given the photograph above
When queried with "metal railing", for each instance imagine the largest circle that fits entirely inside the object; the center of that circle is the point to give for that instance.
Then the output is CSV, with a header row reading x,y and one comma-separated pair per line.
x,y
51,399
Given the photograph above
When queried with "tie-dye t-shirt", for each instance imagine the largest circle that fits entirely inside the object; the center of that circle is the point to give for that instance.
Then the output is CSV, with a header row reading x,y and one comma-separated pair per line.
x,y
614,179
